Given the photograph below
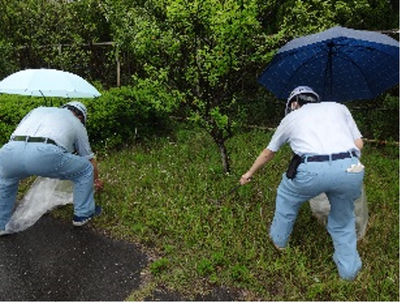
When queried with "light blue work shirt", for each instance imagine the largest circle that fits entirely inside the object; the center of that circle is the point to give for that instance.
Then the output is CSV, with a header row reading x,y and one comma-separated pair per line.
x,y
317,128
58,124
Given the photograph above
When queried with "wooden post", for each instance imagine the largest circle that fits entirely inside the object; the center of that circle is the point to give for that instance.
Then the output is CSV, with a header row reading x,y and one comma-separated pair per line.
x,y
118,68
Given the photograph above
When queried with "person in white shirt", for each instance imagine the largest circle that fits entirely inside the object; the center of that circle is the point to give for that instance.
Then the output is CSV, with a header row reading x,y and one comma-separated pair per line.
x,y
327,146
51,142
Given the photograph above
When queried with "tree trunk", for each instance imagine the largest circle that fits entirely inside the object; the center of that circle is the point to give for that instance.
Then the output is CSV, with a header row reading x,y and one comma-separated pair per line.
x,y
219,138
220,141
224,156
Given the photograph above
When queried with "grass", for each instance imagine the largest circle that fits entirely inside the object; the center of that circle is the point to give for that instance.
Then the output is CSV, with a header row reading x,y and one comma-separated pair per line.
x,y
164,196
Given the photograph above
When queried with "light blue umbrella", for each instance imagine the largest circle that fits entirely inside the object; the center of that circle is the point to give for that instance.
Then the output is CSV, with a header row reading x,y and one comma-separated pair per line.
x,y
48,83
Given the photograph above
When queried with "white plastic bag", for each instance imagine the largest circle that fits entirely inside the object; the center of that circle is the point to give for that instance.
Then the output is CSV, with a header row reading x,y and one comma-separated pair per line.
x,y
44,195
320,207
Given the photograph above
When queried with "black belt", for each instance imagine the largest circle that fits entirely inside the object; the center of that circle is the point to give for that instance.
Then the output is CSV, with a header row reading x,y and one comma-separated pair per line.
x,y
336,156
33,139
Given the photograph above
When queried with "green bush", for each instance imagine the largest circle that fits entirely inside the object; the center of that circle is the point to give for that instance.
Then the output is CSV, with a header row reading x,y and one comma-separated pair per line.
x,y
12,109
115,119
120,116
378,119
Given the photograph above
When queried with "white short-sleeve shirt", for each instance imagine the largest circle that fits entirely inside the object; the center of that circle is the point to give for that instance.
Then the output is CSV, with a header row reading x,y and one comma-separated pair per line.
x,y
58,124
317,128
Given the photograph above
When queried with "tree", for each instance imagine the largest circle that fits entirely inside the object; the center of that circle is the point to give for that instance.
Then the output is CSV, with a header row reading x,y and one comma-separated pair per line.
x,y
37,29
208,50
201,56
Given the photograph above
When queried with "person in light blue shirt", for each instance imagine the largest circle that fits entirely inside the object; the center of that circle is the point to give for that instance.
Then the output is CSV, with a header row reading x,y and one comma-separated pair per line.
x,y
51,142
327,146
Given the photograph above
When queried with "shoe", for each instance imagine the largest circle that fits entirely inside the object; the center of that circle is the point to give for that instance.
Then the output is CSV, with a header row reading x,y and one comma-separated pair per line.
x,y
281,249
3,232
277,246
82,220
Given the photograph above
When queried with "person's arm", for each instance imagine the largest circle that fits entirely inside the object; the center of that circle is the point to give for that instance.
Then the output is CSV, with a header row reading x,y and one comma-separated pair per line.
x,y
359,143
265,156
98,183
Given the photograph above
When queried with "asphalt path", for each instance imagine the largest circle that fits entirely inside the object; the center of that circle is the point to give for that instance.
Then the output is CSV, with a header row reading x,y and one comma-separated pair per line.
x,y
55,261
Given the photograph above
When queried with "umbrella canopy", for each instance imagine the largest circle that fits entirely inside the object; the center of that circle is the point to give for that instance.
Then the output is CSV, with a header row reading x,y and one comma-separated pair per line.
x,y
340,64
48,83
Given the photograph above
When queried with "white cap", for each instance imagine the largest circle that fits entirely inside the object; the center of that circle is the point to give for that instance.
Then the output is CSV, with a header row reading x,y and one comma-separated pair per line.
x,y
300,90
80,107
308,95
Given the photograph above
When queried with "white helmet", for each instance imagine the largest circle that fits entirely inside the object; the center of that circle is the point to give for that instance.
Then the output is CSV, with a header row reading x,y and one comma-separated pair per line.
x,y
77,106
303,94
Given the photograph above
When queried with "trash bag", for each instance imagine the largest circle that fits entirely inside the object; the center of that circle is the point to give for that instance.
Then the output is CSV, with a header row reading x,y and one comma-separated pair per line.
x,y
320,208
44,195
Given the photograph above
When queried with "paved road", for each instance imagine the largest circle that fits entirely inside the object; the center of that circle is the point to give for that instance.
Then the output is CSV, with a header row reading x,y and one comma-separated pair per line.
x,y
52,260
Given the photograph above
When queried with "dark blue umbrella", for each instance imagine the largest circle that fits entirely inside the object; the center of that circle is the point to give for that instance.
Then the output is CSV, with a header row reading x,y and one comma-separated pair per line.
x,y
340,64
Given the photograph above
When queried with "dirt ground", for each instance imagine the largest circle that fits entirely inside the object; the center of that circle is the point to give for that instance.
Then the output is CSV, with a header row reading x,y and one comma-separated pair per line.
x,y
52,260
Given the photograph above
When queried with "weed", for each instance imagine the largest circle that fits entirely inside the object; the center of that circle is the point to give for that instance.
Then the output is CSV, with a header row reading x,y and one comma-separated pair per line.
x,y
158,194
158,266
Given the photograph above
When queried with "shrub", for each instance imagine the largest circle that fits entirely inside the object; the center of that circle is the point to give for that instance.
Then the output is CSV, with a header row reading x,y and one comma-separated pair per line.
x,y
378,119
115,119
120,116
12,109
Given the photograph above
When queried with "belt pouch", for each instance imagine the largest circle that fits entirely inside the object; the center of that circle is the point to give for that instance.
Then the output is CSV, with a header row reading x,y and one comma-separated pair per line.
x,y
294,163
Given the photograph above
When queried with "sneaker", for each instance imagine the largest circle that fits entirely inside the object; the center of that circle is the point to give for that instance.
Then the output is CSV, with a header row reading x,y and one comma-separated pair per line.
x,y
82,220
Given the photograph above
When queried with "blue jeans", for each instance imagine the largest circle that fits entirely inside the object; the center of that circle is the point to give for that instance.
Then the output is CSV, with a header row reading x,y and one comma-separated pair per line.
x,y
342,189
19,160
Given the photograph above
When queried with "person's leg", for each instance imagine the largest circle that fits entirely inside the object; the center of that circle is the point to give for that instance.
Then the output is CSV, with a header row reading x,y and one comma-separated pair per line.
x,y
342,228
8,196
10,174
51,161
291,195
80,171
286,210
84,204
344,189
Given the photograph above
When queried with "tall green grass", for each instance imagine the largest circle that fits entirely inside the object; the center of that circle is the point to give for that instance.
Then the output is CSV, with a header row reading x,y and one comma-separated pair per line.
x,y
165,195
